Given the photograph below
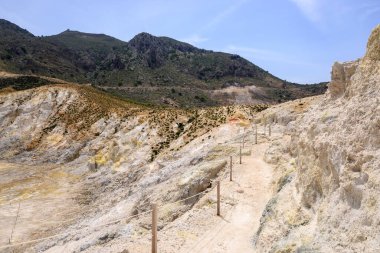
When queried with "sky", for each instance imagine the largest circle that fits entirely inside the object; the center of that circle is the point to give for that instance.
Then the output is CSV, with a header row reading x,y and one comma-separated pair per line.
x,y
296,40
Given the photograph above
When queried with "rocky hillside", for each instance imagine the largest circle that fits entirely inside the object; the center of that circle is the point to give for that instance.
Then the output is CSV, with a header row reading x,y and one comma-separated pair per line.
x,y
80,168
149,69
327,187
74,158
69,111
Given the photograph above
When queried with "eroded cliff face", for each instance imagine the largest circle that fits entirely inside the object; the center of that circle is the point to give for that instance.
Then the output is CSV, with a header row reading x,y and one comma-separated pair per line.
x,y
328,183
341,74
71,153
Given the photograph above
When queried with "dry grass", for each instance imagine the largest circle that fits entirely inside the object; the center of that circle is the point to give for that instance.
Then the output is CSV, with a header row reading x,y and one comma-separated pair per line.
x,y
91,104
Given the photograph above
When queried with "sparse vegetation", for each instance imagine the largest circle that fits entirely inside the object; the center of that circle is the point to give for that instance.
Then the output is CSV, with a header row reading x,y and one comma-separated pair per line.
x,y
146,69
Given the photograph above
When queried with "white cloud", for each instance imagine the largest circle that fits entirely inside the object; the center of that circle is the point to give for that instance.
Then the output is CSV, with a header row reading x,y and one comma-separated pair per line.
x,y
324,13
224,14
310,8
195,39
214,21
367,10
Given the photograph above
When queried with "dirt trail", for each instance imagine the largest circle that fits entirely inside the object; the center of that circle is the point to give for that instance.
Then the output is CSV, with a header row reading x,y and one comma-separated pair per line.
x,y
234,230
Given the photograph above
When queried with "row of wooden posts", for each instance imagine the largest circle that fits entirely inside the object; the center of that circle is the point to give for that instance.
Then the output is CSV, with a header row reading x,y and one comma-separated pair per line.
x,y
154,213
154,206
265,126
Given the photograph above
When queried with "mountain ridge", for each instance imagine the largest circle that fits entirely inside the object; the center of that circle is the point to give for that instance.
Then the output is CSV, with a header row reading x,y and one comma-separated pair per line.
x,y
146,61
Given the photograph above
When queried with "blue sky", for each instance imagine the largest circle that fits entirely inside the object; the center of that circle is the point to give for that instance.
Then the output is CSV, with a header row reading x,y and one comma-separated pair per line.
x,y
297,40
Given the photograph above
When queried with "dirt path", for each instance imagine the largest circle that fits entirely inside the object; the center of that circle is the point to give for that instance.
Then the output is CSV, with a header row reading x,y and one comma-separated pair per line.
x,y
200,229
234,231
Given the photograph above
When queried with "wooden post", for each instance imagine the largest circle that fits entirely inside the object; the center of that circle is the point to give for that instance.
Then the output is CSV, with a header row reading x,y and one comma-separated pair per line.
x,y
240,154
243,140
14,225
218,198
154,228
256,134
270,130
230,168
265,127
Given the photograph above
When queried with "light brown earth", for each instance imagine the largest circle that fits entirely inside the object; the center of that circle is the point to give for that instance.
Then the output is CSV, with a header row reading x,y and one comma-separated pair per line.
x,y
320,192
50,170
242,204
243,201
251,190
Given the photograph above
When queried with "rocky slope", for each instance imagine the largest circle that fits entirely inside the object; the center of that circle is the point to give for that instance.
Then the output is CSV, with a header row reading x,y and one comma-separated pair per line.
x,y
327,187
75,162
149,69
73,158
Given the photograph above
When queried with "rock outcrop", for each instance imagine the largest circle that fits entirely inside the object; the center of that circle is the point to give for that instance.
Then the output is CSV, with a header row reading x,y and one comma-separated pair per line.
x,y
69,152
341,77
328,177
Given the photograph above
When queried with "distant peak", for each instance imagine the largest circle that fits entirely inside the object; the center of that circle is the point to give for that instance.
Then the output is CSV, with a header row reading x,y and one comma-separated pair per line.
x,y
144,35
69,32
143,41
7,26
4,21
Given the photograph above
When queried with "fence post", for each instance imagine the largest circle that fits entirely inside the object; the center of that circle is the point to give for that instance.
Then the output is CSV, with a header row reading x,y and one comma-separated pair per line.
x,y
256,134
240,154
14,225
243,139
270,130
218,198
265,127
154,228
230,168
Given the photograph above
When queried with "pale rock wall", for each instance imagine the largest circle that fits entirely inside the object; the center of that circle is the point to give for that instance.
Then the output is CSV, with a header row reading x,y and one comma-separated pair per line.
x,y
333,202
341,77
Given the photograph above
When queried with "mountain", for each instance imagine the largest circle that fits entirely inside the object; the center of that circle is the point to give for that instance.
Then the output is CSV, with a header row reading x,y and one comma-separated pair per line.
x,y
149,69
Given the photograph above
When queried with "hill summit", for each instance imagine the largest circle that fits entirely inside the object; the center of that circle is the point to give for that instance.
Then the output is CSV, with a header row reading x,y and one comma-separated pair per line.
x,y
149,69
